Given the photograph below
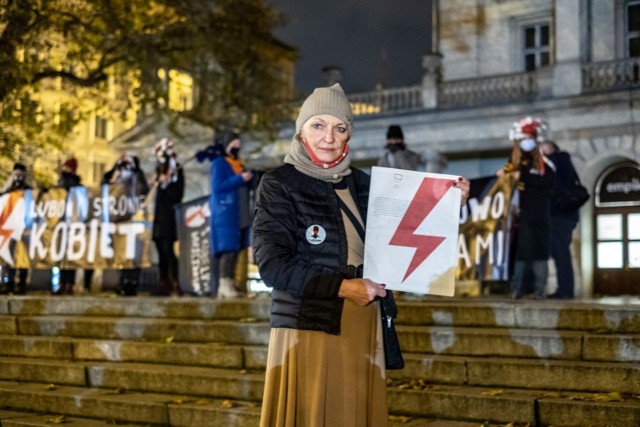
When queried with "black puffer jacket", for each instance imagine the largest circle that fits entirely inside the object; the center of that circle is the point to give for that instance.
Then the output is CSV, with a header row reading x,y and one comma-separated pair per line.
x,y
305,277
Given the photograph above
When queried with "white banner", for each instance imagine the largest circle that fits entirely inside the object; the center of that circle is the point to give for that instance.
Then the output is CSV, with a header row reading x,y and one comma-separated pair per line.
x,y
412,231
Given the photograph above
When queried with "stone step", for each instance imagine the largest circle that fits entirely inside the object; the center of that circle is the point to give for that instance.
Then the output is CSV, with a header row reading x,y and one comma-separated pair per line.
x,y
156,307
514,406
192,419
491,342
521,373
548,314
7,325
147,329
196,354
473,371
25,419
432,403
116,406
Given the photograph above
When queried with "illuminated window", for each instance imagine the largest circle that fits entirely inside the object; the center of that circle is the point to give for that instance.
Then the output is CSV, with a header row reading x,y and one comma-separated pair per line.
x,y
634,254
101,127
180,91
633,225
609,227
610,255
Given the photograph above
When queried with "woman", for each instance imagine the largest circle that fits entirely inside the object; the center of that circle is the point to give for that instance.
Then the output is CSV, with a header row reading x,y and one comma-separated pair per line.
x,y
230,216
325,365
169,191
535,175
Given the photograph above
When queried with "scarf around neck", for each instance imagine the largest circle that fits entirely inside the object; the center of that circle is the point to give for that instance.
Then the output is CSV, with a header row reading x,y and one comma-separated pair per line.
x,y
299,158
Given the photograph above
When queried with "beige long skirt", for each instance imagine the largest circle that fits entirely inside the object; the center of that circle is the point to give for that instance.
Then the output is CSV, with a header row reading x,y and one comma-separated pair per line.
x,y
315,379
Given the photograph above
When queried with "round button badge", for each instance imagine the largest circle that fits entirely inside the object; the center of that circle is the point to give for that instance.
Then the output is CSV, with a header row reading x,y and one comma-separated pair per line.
x,y
316,234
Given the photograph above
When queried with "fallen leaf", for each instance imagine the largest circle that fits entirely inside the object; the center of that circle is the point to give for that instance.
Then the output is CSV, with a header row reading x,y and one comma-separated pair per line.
x,y
50,387
614,396
227,404
57,420
169,340
493,392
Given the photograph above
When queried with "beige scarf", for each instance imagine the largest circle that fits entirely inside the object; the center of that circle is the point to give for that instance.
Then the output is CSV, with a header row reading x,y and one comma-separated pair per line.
x,y
299,158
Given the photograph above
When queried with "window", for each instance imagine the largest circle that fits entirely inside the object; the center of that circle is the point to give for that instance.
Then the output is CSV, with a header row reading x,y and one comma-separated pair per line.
x,y
98,171
101,127
633,29
536,46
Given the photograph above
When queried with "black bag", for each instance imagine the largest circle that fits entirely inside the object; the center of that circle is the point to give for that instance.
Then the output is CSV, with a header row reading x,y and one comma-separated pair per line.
x,y
572,198
392,353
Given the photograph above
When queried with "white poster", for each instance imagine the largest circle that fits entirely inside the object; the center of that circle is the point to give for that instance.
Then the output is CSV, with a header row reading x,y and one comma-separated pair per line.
x,y
412,231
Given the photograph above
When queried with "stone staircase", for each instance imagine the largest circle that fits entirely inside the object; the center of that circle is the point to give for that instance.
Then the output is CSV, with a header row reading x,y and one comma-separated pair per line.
x,y
100,361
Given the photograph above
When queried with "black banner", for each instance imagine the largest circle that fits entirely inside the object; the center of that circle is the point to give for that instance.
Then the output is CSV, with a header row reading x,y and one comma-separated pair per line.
x,y
196,271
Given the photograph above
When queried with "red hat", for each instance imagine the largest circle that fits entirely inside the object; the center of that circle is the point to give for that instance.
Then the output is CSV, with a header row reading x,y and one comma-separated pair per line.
x,y
71,164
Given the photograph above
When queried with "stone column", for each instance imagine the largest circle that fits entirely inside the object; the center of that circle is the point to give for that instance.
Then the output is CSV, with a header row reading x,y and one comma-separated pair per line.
x,y
431,64
567,73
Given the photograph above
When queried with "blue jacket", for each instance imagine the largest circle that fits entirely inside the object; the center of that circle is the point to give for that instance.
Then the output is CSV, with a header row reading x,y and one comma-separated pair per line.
x,y
224,203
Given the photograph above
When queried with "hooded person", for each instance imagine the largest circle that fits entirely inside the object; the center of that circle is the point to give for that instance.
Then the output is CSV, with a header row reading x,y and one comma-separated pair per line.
x,y
17,180
397,155
230,215
535,175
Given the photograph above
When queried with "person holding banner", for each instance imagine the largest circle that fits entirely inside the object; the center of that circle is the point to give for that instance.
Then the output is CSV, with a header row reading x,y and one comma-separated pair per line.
x,y
17,182
68,178
127,173
230,216
535,175
325,362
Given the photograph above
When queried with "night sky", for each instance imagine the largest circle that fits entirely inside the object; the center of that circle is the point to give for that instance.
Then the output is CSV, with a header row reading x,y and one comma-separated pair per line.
x,y
356,35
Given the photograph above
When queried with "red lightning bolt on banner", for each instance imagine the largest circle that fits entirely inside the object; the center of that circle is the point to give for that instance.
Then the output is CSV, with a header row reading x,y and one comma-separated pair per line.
x,y
426,198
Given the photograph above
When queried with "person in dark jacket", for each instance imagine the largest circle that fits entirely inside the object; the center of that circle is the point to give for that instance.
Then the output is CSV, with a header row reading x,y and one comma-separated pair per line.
x,y
535,175
397,155
17,182
325,362
169,191
230,216
562,222
127,172
68,178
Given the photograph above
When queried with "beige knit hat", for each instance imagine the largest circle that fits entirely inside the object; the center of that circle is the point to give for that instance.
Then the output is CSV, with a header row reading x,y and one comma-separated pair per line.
x,y
326,100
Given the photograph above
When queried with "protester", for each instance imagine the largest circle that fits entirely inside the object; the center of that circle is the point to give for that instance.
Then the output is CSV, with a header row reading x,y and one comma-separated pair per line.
x,y
562,222
397,155
68,178
169,192
325,362
535,175
230,216
126,171
17,182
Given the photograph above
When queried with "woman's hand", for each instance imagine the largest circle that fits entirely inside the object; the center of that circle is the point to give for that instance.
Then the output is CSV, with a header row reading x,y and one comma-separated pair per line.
x,y
361,291
464,185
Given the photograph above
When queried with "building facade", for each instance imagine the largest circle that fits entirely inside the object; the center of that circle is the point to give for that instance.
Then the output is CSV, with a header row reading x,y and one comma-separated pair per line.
x,y
572,63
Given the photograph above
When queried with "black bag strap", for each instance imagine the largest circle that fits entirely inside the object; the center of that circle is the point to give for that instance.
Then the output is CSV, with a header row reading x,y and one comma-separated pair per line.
x,y
356,224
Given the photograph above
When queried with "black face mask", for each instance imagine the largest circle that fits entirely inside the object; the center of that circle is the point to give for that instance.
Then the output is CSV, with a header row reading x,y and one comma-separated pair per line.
x,y
234,152
395,147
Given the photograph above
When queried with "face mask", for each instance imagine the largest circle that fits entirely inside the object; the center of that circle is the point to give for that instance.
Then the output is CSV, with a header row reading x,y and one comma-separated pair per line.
x,y
126,174
527,145
396,147
234,152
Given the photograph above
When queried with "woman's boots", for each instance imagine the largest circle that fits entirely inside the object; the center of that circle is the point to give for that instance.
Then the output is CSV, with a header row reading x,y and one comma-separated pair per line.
x,y
227,289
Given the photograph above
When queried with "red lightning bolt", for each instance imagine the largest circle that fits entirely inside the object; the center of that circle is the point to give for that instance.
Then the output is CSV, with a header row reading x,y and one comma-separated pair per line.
x,y
426,198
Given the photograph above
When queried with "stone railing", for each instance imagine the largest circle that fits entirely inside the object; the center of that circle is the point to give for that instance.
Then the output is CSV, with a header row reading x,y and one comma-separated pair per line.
x,y
385,100
610,75
487,90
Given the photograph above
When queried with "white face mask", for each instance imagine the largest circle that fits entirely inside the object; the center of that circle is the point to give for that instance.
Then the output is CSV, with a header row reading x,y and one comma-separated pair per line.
x,y
126,174
527,145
